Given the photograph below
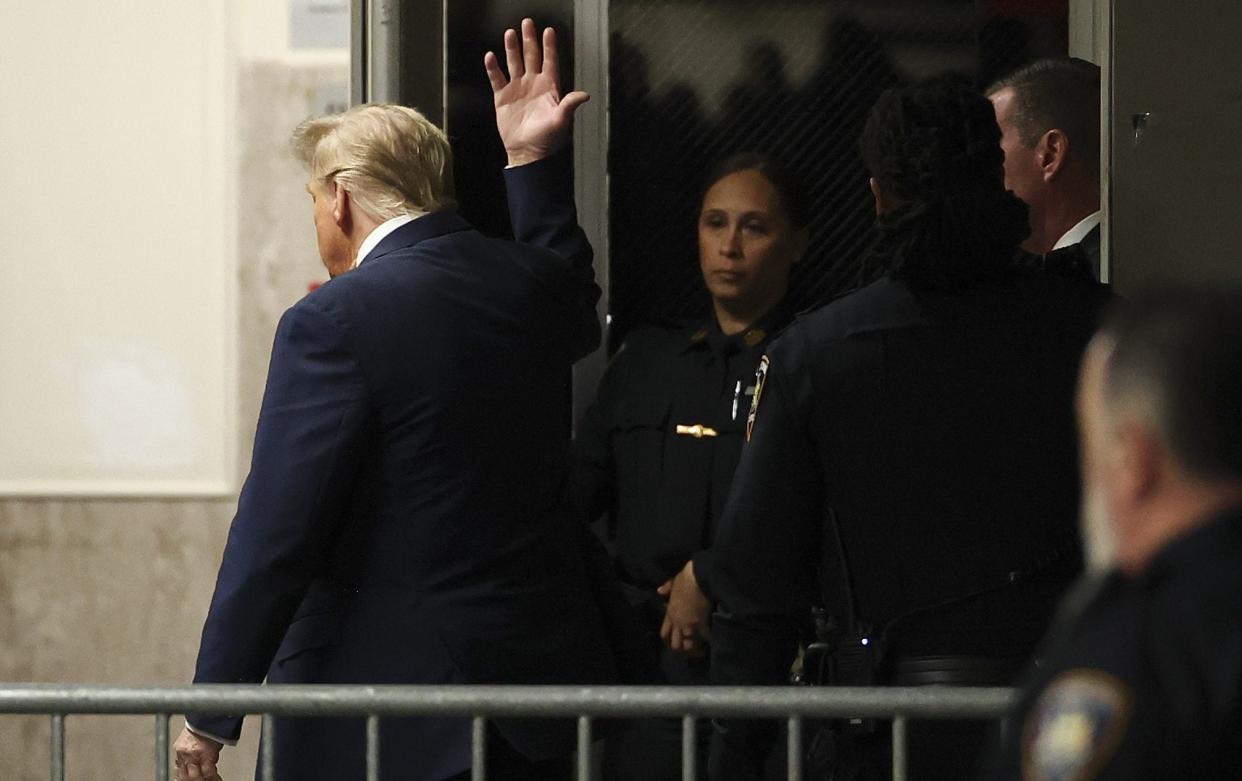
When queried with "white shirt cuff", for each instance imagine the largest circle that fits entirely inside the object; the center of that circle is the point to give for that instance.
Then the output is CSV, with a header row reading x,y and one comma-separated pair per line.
x,y
205,734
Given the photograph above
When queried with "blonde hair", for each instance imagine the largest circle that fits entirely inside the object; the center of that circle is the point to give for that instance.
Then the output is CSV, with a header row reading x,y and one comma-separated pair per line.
x,y
391,159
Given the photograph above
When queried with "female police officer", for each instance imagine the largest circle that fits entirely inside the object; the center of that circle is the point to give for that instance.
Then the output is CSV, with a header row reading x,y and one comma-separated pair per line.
x,y
657,450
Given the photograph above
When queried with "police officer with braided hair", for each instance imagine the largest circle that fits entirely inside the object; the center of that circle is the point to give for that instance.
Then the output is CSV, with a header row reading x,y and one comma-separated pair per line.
x,y
911,452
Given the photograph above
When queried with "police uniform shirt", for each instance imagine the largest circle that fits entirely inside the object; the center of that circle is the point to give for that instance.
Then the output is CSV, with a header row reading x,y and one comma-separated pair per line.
x,y
1145,682
932,434
658,448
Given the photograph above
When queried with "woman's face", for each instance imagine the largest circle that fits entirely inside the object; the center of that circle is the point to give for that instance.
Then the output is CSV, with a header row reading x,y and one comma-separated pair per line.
x,y
746,243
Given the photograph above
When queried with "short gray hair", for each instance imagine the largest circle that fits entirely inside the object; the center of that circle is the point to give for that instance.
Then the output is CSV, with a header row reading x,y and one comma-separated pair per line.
x,y
1061,93
391,159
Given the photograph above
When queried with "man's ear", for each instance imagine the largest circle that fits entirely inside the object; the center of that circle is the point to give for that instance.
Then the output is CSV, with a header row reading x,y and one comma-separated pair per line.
x,y
342,207
1139,461
1053,151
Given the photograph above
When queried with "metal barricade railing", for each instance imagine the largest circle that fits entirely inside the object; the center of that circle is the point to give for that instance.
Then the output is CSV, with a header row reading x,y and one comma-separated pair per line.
x,y
793,704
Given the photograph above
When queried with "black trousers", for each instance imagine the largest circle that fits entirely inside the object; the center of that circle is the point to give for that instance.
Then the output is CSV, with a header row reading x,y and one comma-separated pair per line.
x,y
505,763
650,749
936,751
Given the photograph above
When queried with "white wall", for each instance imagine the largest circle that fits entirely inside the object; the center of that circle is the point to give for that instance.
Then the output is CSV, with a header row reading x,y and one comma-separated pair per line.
x,y
94,589
116,317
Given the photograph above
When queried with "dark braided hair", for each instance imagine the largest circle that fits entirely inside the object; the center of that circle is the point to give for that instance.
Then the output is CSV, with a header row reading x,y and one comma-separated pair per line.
x,y
935,150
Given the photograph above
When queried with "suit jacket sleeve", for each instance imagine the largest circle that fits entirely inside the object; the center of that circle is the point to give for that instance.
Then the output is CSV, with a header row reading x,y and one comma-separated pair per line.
x,y
312,418
541,208
765,557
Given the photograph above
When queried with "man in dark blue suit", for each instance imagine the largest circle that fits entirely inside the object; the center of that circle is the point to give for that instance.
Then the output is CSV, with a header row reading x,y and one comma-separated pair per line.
x,y
403,520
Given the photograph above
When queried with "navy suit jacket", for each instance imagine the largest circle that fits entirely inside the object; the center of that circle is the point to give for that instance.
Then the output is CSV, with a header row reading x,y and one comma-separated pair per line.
x,y
404,517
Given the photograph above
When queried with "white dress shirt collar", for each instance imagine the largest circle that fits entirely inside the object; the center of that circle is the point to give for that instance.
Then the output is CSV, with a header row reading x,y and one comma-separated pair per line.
x,y
381,232
1079,231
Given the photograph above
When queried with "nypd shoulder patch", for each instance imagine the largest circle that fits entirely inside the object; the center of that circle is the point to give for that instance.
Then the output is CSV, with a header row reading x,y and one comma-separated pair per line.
x,y
1074,726
761,376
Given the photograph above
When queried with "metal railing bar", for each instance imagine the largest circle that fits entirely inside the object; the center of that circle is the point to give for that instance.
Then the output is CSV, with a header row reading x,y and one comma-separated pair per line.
x,y
161,747
58,747
689,748
794,757
373,748
478,749
267,749
899,749
516,701
584,748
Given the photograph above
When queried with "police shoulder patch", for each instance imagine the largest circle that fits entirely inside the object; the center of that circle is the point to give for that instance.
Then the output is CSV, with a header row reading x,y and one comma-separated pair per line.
x,y
761,376
1074,726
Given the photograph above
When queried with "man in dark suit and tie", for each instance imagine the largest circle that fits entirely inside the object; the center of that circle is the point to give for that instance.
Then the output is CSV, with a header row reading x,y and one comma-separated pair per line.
x,y
1049,116
403,521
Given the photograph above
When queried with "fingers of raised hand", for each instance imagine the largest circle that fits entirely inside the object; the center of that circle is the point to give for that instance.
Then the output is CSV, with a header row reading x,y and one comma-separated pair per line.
x,y
513,55
551,59
570,103
530,47
494,74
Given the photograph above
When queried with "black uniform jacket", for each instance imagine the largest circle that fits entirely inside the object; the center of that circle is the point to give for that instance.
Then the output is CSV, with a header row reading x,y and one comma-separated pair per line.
x,y
930,437
1142,679
658,448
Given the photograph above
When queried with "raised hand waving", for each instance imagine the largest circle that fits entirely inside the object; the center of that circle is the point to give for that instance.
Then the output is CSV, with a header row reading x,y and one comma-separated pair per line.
x,y
533,118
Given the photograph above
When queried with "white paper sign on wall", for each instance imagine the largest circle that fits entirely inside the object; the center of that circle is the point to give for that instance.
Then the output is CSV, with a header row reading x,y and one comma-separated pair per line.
x,y
319,24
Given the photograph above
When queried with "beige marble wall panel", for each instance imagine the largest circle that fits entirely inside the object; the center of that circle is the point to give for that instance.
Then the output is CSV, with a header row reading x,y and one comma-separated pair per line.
x,y
114,592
